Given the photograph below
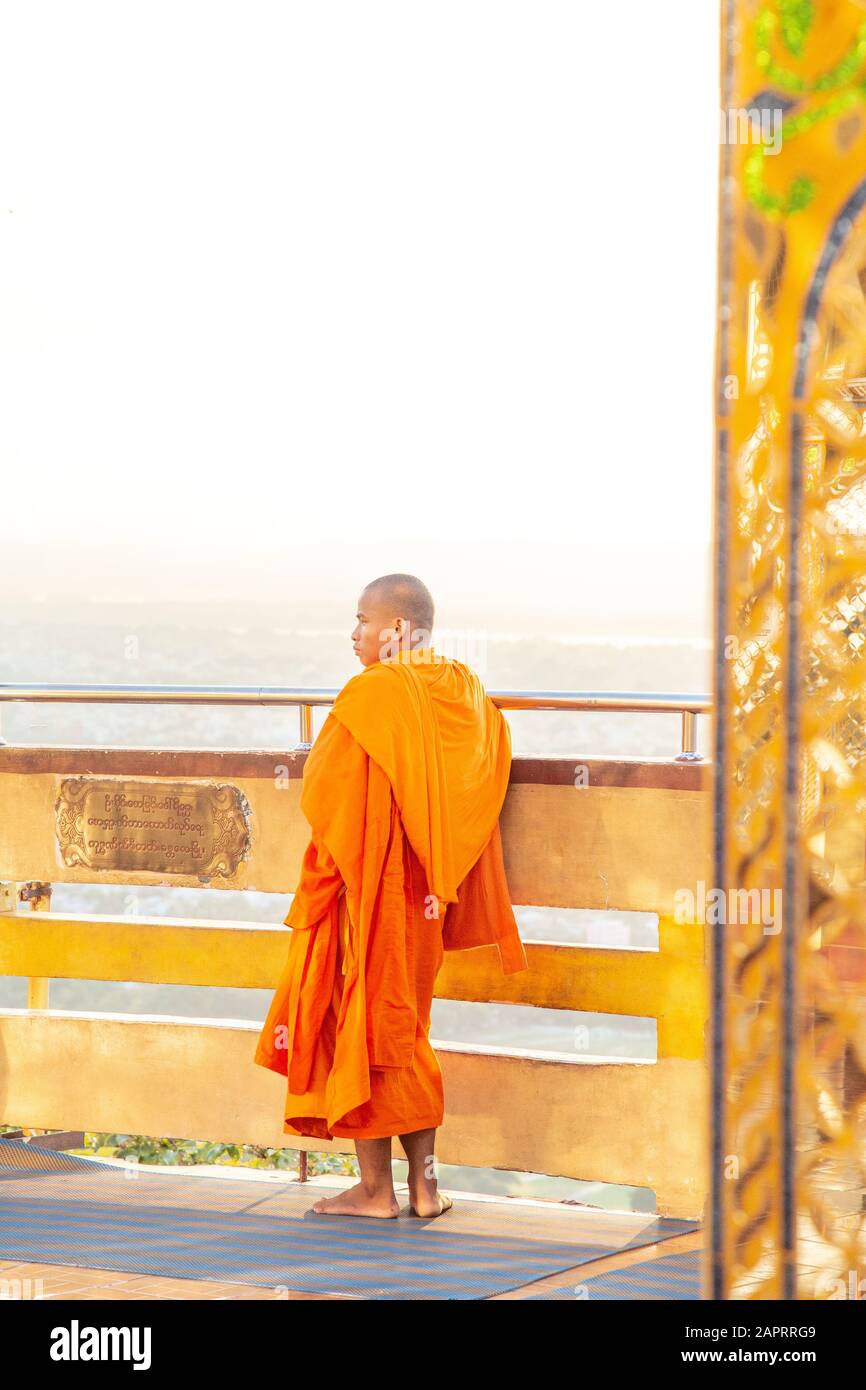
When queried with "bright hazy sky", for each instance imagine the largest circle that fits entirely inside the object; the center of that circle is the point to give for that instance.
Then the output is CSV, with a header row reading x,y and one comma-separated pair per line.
x,y
339,288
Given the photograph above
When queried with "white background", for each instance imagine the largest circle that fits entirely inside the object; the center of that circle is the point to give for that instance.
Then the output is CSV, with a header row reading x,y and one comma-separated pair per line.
x,y
309,292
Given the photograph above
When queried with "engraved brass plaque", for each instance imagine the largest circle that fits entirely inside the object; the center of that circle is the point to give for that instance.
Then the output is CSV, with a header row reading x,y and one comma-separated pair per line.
x,y
156,827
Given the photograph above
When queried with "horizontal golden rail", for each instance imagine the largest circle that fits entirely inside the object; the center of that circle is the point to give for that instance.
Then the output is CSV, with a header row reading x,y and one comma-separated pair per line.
x,y
668,984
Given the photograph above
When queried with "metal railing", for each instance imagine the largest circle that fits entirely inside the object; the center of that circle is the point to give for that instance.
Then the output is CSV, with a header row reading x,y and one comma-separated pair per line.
x,y
309,698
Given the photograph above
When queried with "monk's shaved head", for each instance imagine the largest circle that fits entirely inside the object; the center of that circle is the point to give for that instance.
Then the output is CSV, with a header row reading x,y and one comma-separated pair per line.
x,y
408,597
395,611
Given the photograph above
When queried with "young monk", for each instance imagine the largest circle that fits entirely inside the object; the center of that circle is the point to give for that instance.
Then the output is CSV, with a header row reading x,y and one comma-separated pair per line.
x,y
402,789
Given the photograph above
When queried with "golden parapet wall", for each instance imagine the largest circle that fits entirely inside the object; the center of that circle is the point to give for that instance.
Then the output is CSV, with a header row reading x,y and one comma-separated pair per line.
x,y
631,835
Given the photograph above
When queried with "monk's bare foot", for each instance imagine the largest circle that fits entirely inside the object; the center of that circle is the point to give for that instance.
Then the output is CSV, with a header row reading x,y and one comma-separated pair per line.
x,y
431,1206
358,1201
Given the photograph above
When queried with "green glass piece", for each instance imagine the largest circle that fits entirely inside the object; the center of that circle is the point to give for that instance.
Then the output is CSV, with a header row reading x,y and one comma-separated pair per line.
x,y
796,18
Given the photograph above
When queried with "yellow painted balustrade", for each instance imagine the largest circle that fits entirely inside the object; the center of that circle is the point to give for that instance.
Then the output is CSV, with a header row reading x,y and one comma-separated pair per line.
x,y
632,835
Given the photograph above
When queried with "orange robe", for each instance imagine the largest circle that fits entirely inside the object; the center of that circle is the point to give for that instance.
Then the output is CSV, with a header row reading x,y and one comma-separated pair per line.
x,y
403,789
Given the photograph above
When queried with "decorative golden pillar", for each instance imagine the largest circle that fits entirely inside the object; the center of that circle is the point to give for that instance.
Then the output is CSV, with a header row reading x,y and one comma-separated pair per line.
x,y
788,1030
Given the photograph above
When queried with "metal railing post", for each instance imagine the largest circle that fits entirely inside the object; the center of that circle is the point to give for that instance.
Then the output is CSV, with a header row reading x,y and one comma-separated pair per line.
x,y
306,717
689,741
